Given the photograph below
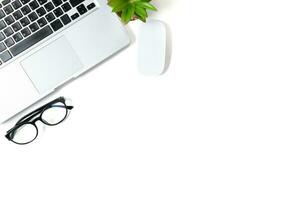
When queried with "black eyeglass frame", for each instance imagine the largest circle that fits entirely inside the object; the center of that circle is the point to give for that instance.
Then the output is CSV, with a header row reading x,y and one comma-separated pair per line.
x,y
33,117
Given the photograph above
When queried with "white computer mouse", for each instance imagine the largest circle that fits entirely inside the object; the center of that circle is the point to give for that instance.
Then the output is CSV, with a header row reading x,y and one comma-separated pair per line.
x,y
152,42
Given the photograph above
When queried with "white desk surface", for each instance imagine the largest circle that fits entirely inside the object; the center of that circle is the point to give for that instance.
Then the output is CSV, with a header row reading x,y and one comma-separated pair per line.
x,y
222,123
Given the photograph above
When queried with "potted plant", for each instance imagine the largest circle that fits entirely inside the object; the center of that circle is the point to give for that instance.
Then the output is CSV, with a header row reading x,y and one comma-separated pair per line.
x,y
129,10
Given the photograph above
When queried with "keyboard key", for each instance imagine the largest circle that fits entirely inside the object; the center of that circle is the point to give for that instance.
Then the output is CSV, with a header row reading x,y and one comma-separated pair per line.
x,y
91,6
57,2
31,40
2,36
5,56
34,5
2,47
5,2
75,16
9,20
32,16
2,14
66,7
58,12
24,1
8,9
2,25
49,6
65,19
16,4
17,37
74,3
16,26
8,31
9,42
42,22
25,32
24,21
81,9
25,10
41,11
50,17
33,27
56,25
17,15
42,1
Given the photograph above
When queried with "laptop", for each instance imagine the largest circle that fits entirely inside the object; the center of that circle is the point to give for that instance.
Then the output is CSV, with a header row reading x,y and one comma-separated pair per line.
x,y
46,43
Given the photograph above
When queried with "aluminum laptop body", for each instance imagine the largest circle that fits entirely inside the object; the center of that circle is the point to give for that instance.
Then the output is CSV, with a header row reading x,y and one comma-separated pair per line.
x,y
45,43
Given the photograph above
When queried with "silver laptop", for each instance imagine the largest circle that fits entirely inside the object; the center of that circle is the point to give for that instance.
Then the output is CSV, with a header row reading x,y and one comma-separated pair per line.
x,y
45,43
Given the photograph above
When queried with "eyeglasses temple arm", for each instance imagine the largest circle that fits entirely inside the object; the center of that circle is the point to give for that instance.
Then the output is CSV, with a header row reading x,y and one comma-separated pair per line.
x,y
8,135
40,109
70,107
28,116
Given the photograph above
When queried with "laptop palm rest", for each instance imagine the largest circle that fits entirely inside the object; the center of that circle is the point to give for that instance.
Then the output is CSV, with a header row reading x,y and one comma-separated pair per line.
x,y
47,68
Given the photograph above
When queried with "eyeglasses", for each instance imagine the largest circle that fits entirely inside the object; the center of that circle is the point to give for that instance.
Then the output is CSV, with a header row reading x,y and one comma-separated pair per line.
x,y
25,131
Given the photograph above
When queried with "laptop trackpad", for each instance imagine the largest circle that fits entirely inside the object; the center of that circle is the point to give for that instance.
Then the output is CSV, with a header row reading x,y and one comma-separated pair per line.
x,y
52,65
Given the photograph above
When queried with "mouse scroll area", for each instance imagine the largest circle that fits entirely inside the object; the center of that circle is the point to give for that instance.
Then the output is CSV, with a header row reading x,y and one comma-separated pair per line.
x,y
152,48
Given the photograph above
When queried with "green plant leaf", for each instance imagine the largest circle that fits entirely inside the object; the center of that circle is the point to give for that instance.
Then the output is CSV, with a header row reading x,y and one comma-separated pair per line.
x,y
141,18
129,9
141,12
147,5
121,6
127,14
114,3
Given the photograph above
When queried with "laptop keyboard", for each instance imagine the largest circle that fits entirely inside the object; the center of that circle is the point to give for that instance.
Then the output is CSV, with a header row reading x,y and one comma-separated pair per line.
x,y
23,23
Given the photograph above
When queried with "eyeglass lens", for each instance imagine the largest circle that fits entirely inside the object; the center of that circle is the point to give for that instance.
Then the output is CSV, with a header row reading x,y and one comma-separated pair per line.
x,y
25,134
55,113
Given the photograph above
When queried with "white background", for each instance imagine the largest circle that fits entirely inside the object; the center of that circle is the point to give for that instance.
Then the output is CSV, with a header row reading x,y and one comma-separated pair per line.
x,y
222,123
